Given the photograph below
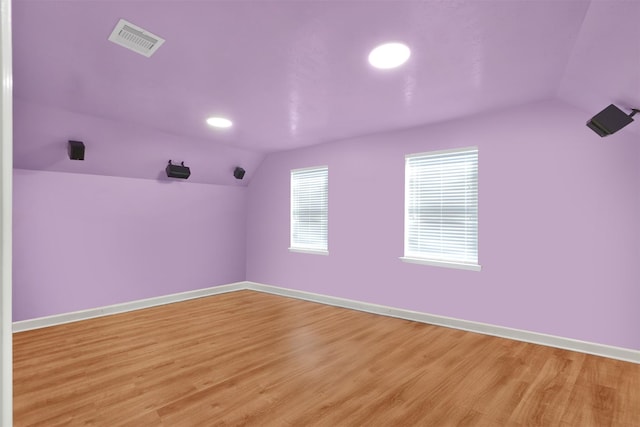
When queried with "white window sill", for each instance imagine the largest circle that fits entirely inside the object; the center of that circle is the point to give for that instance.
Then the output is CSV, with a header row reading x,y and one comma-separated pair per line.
x,y
309,251
456,265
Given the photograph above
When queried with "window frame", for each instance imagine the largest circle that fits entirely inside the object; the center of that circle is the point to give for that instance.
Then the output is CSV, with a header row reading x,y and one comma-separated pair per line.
x,y
324,204
440,261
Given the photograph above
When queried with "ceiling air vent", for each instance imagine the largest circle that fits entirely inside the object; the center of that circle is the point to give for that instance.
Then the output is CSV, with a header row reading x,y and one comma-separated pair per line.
x,y
135,38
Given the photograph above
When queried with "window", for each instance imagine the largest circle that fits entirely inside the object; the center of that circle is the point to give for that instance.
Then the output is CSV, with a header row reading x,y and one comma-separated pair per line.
x,y
441,208
309,209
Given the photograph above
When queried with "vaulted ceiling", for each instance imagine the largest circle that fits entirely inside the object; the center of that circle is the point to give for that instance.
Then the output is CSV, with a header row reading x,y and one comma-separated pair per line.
x,y
295,73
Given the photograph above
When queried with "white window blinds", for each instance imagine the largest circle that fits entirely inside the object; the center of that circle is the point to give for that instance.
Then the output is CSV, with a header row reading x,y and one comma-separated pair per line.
x,y
441,207
309,209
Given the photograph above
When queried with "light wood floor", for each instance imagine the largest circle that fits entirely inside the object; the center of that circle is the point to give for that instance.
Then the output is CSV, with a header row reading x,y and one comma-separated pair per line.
x,y
247,358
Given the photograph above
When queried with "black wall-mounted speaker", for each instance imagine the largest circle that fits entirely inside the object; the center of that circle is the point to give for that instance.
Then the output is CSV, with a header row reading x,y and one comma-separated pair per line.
x,y
608,121
238,172
178,171
76,150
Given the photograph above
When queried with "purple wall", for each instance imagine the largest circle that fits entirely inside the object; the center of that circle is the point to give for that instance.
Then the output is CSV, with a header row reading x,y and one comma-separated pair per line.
x,y
85,241
123,149
559,233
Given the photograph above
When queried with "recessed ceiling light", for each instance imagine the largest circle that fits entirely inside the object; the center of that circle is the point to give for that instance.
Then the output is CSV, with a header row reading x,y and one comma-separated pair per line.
x,y
389,55
219,122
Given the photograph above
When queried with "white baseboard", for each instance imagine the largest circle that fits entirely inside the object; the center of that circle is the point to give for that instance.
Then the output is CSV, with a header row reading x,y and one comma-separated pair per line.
x,y
58,319
619,353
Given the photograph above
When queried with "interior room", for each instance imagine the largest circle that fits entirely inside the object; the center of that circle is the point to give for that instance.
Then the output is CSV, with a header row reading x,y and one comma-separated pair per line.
x,y
238,97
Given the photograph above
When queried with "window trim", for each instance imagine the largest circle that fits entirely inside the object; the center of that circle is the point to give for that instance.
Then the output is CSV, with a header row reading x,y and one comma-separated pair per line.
x,y
446,264
434,261
308,251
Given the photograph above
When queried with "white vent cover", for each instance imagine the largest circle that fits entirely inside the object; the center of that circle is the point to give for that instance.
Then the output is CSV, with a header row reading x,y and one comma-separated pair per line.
x,y
135,38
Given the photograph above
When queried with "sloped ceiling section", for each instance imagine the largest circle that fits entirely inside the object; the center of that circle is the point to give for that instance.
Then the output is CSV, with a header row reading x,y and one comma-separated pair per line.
x,y
604,66
292,74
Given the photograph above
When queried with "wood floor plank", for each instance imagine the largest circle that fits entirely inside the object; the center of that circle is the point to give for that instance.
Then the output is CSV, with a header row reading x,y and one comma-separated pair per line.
x,y
248,358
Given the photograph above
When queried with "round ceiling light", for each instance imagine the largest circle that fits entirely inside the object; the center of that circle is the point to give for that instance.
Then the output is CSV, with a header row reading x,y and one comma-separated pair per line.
x,y
389,55
219,122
